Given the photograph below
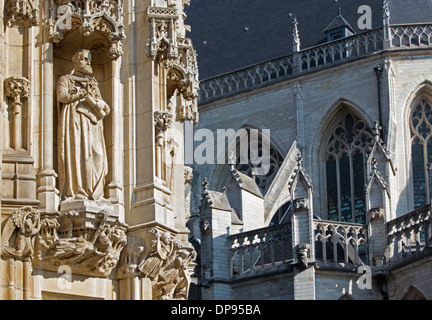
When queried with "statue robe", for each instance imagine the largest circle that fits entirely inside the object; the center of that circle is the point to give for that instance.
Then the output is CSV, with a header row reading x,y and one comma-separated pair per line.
x,y
83,161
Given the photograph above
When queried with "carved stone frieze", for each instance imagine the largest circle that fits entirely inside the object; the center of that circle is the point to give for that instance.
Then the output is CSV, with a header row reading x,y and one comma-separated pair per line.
x,y
87,16
24,12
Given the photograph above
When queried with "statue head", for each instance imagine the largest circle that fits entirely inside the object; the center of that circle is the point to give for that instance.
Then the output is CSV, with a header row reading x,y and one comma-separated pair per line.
x,y
82,61
166,237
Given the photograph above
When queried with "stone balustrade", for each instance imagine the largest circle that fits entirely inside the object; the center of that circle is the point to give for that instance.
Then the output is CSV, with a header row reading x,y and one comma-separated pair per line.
x,y
311,59
260,251
410,234
340,243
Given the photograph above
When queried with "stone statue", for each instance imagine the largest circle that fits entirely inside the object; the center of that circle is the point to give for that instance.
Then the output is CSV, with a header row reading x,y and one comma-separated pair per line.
x,y
82,154
163,247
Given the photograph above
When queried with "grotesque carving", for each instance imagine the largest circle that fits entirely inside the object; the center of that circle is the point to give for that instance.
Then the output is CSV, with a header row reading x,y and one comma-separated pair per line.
x,y
188,175
19,232
168,264
88,251
161,250
131,256
303,255
162,120
174,281
82,156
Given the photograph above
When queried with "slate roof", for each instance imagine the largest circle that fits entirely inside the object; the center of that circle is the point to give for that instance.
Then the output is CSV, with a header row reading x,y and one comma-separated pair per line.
x,y
337,23
246,183
229,35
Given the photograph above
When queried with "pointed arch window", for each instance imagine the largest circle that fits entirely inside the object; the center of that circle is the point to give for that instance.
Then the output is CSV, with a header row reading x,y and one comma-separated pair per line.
x,y
421,150
346,169
263,181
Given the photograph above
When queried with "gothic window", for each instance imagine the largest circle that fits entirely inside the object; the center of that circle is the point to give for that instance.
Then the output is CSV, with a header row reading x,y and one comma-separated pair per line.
x,y
421,150
263,181
346,170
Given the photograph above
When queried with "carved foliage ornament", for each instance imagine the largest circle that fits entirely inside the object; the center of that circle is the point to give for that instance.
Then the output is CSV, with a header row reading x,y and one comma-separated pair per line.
x,y
88,16
162,120
23,12
17,88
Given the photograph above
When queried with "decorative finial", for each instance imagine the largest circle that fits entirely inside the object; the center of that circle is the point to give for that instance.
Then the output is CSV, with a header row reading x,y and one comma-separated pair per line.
x,y
232,160
376,131
205,184
374,164
296,36
299,160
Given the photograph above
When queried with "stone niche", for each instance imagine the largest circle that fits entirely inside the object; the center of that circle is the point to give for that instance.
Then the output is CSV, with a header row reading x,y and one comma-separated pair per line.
x,y
106,72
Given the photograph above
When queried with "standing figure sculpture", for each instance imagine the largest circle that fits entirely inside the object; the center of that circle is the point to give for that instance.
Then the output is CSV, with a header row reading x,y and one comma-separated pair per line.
x,y
83,161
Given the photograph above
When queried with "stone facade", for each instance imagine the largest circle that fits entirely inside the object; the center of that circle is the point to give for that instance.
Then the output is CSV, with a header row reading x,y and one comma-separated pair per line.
x,y
304,98
95,96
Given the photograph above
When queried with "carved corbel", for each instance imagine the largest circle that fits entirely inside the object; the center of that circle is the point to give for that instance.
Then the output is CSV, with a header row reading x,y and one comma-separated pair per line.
x,y
376,214
301,203
17,89
168,264
162,120
131,256
90,244
18,234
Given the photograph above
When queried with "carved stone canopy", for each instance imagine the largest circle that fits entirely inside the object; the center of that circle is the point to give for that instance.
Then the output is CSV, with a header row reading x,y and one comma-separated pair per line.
x,y
87,16
168,45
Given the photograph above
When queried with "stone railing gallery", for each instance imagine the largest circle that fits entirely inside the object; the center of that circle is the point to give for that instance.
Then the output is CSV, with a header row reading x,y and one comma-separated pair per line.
x,y
409,235
340,243
321,56
260,251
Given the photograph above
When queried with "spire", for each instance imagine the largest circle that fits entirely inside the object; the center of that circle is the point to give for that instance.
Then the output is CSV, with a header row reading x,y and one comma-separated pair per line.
x,y
296,36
